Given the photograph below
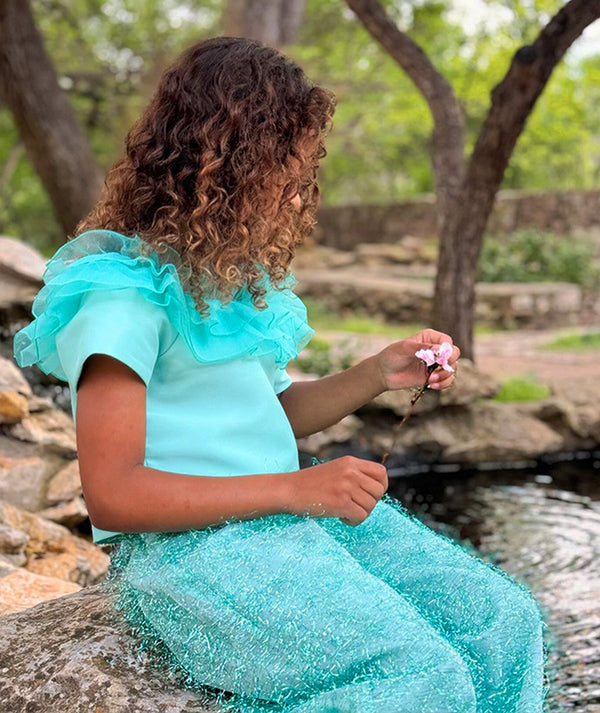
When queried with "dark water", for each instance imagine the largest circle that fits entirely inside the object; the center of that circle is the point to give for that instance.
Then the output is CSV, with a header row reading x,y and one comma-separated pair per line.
x,y
542,525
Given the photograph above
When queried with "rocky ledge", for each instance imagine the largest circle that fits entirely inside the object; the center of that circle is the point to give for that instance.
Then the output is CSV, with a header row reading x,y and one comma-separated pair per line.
x,y
74,654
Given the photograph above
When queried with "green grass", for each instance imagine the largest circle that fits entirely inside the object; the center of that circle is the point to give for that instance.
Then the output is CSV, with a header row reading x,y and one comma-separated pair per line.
x,y
574,342
321,318
525,388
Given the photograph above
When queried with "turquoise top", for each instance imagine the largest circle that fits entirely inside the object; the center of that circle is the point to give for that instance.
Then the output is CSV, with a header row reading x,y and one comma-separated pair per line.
x,y
211,383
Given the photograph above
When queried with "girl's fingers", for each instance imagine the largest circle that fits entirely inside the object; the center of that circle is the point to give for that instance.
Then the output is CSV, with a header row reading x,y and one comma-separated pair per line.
x,y
443,383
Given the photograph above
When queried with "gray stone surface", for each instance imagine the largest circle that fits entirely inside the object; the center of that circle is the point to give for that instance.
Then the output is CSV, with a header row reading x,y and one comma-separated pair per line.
x,y
74,654
407,300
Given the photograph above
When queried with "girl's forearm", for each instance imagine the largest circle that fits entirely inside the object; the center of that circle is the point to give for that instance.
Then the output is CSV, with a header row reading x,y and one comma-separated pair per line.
x,y
314,405
151,500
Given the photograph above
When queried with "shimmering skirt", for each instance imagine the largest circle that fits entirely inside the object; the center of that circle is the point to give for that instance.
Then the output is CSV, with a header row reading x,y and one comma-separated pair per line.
x,y
310,615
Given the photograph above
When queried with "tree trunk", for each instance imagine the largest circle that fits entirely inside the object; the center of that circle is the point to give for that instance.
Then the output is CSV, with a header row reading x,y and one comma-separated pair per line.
x,y
465,198
448,146
274,22
51,134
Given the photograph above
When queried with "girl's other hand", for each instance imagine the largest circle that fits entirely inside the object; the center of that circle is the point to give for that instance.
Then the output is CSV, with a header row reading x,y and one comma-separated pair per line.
x,y
399,368
347,488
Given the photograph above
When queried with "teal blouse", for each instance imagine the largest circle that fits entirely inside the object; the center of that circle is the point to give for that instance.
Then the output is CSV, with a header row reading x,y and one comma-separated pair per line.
x,y
212,383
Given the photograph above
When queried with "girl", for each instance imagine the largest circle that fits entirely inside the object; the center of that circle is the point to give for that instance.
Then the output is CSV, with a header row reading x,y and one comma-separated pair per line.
x,y
172,318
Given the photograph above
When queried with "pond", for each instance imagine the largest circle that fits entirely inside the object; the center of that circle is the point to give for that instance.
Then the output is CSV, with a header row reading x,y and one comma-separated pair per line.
x,y
540,524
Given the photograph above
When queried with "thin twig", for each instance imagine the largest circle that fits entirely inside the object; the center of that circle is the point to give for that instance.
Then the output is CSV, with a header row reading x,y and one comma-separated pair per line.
x,y
413,401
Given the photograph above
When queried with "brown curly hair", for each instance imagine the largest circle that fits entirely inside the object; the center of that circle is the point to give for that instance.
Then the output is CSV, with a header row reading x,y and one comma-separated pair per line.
x,y
234,131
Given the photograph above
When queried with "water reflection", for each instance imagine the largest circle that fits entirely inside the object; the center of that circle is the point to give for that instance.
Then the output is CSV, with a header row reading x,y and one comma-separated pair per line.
x,y
544,529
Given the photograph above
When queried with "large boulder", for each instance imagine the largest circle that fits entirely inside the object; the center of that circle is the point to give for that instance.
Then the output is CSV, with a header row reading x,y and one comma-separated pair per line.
x,y
75,654
45,549
485,432
21,271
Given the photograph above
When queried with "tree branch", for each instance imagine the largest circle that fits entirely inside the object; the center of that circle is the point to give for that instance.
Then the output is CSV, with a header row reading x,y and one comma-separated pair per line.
x,y
514,97
449,124
51,134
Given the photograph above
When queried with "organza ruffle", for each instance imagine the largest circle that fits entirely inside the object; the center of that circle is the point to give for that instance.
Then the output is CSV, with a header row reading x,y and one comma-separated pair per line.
x,y
104,259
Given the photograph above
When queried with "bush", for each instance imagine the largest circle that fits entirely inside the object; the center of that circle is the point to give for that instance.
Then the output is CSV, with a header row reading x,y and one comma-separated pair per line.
x,y
534,256
319,357
574,341
522,389
322,317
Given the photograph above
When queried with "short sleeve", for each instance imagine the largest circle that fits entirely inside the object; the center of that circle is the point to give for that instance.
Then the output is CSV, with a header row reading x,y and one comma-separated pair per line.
x,y
120,323
281,380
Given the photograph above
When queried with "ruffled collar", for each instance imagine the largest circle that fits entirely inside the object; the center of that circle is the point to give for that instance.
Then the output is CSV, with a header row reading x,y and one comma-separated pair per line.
x,y
102,241
105,259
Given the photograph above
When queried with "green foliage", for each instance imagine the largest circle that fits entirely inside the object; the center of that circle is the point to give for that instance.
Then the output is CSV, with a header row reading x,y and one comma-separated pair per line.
x,y
526,388
321,317
533,256
110,53
321,358
575,342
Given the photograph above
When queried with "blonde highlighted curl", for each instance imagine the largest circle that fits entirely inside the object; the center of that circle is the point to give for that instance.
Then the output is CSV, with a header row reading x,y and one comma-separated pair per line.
x,y
234,131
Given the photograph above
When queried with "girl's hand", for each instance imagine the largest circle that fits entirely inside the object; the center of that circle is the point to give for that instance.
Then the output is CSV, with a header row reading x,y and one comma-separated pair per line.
x,y
347,488
401,369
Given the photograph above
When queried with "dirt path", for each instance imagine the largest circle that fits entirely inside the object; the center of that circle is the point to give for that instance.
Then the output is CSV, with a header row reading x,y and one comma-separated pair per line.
x,y
510,354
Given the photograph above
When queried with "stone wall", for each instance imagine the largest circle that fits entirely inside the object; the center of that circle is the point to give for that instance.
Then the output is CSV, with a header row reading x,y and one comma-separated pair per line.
x,y
343,227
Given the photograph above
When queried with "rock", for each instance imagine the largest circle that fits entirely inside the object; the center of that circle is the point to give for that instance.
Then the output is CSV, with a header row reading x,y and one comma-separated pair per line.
x,y
378,253
398,401
12,448
75,560
574,423
13,406
39,403
22,589
377,288
21,260
484,432
469,386
11,377
14,392
581,408
52,550
69,514
340,432
65,484
23,481
309,256
76,654
12,545
53,429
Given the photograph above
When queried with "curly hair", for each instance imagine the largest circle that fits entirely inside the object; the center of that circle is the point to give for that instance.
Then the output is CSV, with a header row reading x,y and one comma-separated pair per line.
x,y
233,132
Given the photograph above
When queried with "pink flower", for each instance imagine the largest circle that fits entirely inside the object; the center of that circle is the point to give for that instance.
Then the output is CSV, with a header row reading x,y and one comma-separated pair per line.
x,y
427,355
439,356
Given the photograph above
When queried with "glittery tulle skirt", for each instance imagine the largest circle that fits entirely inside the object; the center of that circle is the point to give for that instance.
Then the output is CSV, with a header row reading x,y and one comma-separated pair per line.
x,y
292,614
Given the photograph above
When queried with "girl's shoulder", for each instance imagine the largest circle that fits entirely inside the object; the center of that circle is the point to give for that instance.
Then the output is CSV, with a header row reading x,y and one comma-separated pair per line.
x,y
102,278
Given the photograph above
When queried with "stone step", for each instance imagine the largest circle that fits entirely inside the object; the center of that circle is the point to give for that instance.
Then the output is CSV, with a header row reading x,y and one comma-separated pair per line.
x,y
402,300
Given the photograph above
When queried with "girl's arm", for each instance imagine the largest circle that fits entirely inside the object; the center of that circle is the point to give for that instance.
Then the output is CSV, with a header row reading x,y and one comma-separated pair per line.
x,y
312,406
123,495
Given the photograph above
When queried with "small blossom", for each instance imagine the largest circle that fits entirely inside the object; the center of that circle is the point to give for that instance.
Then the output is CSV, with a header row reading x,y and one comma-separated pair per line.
x,y
427,355
440,356
431,357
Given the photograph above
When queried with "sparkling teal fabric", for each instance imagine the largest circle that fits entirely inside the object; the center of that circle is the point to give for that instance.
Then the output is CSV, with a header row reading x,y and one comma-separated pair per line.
x,y
310,615
283,614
